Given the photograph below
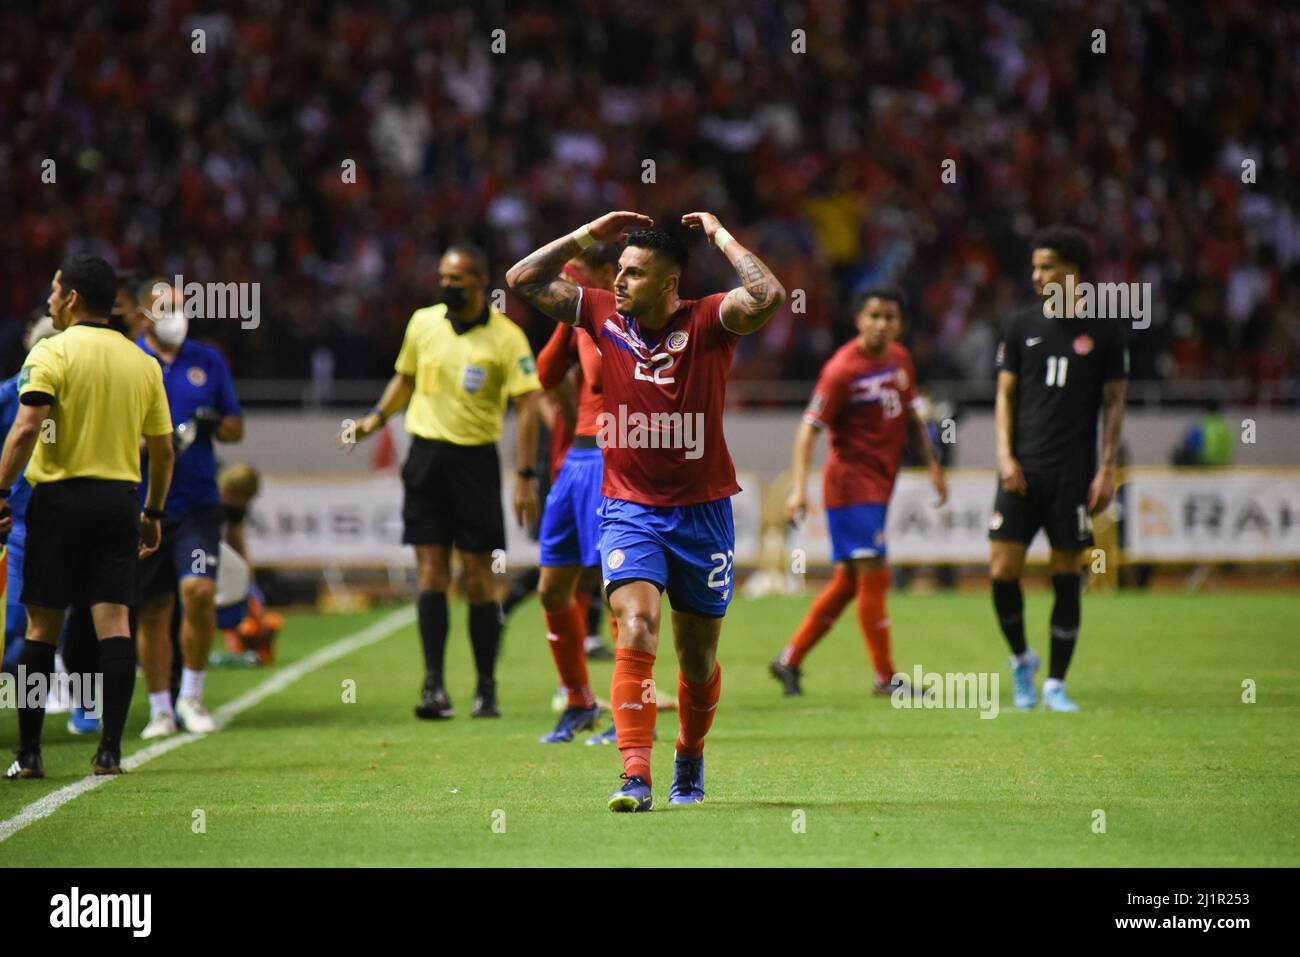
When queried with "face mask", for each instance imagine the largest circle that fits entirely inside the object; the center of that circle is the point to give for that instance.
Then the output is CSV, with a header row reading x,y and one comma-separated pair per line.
x,y
171,329
454,297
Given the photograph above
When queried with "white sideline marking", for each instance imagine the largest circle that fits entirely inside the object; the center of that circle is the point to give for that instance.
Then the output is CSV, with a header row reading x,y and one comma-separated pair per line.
x,y
223,715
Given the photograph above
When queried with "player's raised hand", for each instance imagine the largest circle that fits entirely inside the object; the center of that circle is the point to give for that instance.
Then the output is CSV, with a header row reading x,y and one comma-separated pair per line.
x,y
1012,477
614,226
1102,490
940,483
796,507
705,221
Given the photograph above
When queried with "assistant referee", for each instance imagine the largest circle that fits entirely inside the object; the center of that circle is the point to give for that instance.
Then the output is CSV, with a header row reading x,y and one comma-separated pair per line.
x,y
461,362
86,396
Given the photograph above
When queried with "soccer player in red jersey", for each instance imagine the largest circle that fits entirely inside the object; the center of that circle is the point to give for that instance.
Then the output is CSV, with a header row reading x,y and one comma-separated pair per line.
x,y
866,397
570,531
666,521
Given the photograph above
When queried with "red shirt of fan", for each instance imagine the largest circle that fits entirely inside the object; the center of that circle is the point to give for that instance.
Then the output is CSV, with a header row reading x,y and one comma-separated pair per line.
x,y
863,402
664,390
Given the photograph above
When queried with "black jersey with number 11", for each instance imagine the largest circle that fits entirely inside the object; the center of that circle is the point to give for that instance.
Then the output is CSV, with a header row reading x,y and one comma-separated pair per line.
x,y
1060,367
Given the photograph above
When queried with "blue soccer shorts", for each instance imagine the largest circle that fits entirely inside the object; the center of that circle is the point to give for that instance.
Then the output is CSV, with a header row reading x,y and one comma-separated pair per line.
x,y
570,533
686,550
857,531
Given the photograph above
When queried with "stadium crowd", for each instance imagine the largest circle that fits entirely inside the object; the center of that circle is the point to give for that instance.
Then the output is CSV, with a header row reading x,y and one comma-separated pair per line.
x,y
229,165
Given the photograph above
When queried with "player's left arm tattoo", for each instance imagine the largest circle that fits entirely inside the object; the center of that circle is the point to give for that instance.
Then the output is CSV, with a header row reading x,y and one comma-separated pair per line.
x,y
1113,395
747,308
536,279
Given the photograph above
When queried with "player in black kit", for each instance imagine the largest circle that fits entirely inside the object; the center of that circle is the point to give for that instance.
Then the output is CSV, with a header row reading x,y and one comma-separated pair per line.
x,y
1055,372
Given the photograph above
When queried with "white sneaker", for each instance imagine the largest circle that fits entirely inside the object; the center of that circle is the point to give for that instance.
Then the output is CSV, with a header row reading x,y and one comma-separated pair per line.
x,y
159,726
194,716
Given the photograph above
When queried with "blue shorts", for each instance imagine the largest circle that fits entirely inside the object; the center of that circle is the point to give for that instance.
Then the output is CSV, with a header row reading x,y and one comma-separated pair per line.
x,y
15,612
857,531
687,551
570,533
191,545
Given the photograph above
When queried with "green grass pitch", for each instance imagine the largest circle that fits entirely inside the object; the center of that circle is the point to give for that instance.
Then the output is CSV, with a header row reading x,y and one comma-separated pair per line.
x,y
1185,772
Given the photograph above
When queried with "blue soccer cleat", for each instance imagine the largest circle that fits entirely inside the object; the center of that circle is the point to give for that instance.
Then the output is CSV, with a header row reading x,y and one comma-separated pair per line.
x,y
1055,698
573,720
81,723
608,736
633,796
688,781
1023,692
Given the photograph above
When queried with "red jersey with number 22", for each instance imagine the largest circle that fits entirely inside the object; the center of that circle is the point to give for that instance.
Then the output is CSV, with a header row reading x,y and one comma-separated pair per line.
x,y
664,392
863,401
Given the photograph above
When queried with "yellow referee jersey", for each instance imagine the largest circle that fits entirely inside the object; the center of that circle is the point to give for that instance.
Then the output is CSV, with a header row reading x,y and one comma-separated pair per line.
x,y
107,393
463,380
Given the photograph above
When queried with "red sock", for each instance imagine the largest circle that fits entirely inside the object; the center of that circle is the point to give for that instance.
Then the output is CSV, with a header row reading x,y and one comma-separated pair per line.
x,y
696,706
874,620
566,634
826,607
632,696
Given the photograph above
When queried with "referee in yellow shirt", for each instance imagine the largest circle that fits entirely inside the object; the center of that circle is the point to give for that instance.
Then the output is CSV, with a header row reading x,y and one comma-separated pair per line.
x,y
461,362
86,396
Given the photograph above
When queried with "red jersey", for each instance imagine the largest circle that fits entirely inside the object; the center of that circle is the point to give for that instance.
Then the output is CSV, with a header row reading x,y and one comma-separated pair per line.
x,y
863,401
553,364
664,390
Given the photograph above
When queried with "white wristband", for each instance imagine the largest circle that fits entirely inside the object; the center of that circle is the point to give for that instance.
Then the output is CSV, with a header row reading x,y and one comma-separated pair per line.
x,y
721,238
583,237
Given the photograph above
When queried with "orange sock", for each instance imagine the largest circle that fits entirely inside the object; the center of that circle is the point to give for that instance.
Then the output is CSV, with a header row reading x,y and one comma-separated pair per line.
x,y
696,706
566,634
631,695
874,620
826,608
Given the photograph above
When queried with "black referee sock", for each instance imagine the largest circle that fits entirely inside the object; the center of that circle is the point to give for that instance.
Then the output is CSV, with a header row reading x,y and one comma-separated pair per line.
x,y
117,661
1066,614
432,610
1009,603
35,658
485,637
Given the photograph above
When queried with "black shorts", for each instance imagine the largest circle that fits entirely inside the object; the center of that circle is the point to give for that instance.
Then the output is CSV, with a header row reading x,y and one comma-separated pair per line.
x,y
83,540
1054,501
452,496
190,547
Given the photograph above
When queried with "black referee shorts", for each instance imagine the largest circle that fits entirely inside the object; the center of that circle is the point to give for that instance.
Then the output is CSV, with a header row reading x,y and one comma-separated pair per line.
x,y
452,496
1054,501
83,540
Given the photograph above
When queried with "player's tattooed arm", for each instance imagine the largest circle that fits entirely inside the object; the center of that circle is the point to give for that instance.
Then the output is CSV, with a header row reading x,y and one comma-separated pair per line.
x,y
1102,490
747,308
536,278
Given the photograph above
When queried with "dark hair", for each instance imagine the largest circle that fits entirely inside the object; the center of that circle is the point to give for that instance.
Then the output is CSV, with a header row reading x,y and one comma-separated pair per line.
x,y
600,254
477,258
94,280
144,291
665,244
127,280
888,293
1070,244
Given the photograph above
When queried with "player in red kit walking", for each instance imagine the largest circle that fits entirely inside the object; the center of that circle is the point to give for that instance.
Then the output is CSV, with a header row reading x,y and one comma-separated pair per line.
x,y
666,522
866,397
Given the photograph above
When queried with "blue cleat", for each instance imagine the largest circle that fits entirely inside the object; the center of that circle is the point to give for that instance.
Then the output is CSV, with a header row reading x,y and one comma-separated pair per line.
x,y
633,796
573,720
1023,692
608,736
81,723
688,781
1055,699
